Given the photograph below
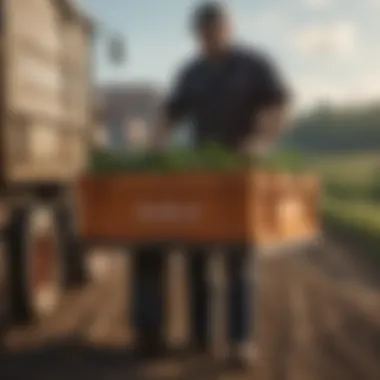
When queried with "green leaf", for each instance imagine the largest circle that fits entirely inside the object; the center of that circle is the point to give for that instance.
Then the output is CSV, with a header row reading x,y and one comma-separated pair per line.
x,y
211,157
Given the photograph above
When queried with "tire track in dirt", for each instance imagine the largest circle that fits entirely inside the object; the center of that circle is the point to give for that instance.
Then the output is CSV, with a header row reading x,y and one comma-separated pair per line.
x,y
335,320
274,311
72,314
347,329
303,342
108,325
314,325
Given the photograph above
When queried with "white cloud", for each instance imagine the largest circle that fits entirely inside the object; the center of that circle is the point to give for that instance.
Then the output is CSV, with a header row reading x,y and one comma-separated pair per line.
x,y
336,39
318,4
361,89
310,91
268,21
366,88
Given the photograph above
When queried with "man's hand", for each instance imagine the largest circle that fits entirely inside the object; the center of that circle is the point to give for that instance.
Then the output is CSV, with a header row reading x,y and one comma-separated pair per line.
x,y
269,124
254,148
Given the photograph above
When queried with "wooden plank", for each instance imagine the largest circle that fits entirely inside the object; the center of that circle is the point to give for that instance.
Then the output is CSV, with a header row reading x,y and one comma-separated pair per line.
x,y
177,300
218,305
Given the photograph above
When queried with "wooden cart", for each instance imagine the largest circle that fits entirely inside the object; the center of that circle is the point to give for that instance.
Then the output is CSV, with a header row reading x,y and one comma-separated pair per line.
x,y
45,102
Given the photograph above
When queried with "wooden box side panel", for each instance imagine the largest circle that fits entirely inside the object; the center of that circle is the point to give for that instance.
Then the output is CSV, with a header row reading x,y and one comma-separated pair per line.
x,y
283,208
311,193
207,208
262,207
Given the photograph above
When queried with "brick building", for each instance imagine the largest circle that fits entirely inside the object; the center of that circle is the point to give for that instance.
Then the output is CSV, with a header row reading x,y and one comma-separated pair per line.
x,y
129,112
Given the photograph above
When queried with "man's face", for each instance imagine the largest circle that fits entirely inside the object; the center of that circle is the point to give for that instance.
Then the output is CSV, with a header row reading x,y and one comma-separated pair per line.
x,y
215,38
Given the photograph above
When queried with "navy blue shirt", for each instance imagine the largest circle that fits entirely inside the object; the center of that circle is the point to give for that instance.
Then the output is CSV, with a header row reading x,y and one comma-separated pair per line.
x,y
221,98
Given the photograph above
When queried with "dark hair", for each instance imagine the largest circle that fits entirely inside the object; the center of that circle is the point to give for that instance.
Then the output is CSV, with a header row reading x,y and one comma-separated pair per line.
x,y
206,15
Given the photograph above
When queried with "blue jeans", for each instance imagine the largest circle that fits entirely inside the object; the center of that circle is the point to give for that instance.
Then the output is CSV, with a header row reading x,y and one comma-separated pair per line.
x,y
240,298
147,305
198,299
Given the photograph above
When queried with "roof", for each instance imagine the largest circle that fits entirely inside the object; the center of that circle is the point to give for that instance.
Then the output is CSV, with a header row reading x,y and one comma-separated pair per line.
x,y
120,101
72,9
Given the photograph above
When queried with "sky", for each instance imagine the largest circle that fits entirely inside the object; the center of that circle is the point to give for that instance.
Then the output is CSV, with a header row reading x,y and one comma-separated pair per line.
x,y
327,50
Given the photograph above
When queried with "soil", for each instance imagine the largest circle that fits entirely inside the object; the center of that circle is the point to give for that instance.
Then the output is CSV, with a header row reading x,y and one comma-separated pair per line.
x,y
318,319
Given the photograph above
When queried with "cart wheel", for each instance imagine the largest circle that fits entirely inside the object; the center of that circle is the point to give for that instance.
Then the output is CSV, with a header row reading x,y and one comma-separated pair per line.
x,y
42,262
73,254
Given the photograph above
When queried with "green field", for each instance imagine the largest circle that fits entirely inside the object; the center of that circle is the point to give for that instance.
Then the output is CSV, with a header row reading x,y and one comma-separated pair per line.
x,y
351,177
348,168
361,215
352,192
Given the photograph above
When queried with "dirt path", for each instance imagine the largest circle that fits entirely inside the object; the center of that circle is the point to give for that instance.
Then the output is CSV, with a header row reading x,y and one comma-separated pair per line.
x,y
317,322
330,327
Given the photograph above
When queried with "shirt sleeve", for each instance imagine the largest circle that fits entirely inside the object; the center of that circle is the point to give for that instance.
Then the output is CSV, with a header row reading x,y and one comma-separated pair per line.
x,y
270,89
177,104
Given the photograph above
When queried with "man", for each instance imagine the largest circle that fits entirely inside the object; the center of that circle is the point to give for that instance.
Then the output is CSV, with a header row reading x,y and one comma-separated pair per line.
x,y
232,96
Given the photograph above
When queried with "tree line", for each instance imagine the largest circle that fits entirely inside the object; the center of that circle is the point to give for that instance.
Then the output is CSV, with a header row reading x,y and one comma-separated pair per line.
x,y
335,129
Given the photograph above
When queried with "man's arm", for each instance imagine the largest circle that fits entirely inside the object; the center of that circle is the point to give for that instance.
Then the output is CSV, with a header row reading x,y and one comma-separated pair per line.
x,y
175,108
270,123
271,116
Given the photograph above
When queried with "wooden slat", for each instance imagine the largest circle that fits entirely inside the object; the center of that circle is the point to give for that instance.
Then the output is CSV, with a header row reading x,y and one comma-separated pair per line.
x,y
218,305
177,300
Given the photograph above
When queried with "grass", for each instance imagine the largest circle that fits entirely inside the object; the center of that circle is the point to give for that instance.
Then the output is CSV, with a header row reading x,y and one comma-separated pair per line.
x,y
351,203
354,177
363,216
357,222
351,169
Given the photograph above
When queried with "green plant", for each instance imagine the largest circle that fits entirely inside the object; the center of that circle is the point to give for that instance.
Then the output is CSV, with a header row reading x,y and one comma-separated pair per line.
x,y
376,185
357,222
212,157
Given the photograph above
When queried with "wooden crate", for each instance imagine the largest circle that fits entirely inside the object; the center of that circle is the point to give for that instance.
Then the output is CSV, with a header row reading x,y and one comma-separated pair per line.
x,y
297,207
45,92
195,207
